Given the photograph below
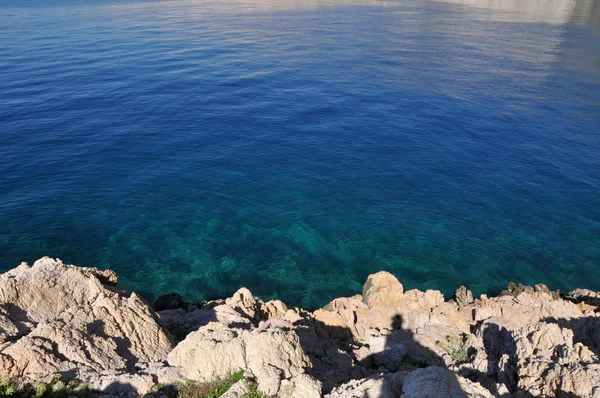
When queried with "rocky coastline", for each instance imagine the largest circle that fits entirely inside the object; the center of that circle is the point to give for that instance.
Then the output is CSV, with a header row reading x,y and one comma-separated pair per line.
x,y
73,327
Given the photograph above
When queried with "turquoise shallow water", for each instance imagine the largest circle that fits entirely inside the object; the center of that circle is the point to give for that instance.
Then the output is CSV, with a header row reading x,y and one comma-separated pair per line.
x,y
296,147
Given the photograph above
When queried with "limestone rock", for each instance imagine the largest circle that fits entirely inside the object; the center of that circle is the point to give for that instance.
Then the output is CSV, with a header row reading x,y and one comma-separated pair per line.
x,y
194,318
246,304
539,290
522,310
115,382
378,386
436,382
215,350
274,309
382,290
238,390
587,300
301,386
549,363
65,317
463,296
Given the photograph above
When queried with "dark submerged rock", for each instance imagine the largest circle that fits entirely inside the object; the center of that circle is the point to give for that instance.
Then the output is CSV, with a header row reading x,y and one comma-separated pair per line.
x,y
171,301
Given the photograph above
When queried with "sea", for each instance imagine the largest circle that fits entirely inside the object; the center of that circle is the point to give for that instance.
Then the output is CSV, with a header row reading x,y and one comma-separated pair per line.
x,y
296,146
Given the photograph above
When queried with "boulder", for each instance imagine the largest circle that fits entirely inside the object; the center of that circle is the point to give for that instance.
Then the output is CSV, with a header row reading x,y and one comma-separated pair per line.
x,y
436,382
300,386
463,296
382,290
216,350
244,302
60,317
522,310
377,386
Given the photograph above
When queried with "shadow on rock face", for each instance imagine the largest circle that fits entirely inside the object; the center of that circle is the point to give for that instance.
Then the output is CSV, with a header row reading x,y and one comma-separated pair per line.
x,y
537,361
390,343
585,331
391,365
96,328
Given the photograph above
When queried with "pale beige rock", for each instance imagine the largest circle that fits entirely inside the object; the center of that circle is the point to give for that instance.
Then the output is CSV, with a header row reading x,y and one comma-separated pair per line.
x,y
59,318
274,309
378,386
463,296
245,303
66,317
301,386
436,382
523,310
198,317
215,350
238,390
140,383
382,290
549,362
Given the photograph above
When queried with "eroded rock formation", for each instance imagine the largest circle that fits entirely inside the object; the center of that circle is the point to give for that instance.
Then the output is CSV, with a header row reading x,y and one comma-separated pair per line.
x,y
386,342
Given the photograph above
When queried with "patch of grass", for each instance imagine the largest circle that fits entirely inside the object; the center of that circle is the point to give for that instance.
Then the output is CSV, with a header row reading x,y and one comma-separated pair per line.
x,y
56,388
40,389
253,391
457,347
8,386
193,389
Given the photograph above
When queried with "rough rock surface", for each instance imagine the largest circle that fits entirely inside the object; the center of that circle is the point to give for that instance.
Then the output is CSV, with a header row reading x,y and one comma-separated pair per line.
x,y
386,342
56,318
463,296
434,382
216,350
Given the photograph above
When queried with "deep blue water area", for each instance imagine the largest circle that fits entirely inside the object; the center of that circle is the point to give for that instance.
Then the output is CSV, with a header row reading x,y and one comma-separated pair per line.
x,y
294,147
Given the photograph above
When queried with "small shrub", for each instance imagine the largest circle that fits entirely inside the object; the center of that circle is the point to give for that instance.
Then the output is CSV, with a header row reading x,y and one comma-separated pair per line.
x,y
59,387
253,391
8,386
40,390
457,348
157,387
193,389
179,332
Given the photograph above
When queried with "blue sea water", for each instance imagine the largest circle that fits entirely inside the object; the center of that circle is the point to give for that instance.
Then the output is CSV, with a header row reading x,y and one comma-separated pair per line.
x,y
294,147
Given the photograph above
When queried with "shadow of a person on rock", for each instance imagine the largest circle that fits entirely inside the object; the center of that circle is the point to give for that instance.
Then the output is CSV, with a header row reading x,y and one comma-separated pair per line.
x,y
394,361
394,364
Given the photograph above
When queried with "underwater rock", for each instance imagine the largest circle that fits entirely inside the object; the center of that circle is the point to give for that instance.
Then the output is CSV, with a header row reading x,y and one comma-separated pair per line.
x,y
171,301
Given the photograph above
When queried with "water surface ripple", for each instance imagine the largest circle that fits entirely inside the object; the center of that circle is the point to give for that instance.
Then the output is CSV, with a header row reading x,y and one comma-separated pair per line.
x,y
294,147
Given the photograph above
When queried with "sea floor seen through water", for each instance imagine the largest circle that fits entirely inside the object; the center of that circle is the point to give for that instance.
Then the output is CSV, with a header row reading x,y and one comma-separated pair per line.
x,y
296,147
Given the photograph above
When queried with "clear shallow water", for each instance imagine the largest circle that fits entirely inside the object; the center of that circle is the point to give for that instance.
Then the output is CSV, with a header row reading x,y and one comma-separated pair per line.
x,y
295,147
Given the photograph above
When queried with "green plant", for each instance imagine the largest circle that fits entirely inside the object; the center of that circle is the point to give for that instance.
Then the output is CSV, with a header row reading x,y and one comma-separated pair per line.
x,y
40,389
60,386
55,388
157,387
193,389
253,391
178,332
8,386
457,347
